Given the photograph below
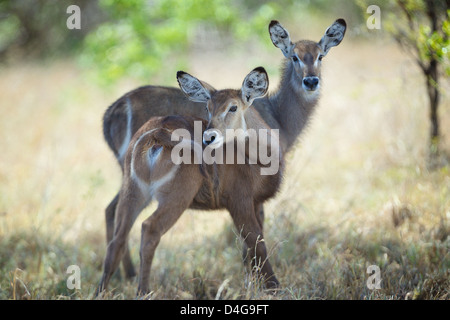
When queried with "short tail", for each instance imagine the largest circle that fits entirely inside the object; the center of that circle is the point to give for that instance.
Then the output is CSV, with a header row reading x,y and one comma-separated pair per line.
x,y
164,136
108,117
117,127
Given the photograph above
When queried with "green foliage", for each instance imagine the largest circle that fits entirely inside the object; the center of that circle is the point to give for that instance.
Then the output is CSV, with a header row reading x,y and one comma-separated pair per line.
x,y
409,23
142,37
436,44
9,31
37,28
421,27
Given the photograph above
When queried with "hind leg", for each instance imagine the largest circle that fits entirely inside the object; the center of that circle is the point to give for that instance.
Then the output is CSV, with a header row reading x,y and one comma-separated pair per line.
x,y
110,214
173,200
130,203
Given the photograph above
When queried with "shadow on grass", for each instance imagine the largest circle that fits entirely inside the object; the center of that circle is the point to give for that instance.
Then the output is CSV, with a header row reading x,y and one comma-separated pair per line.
x,y
312,262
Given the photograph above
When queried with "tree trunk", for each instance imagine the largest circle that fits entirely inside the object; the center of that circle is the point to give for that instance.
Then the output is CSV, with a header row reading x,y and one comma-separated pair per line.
x,y
433,95
432,76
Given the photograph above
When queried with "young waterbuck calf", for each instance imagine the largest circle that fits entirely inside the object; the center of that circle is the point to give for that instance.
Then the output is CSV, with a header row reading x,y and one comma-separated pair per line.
x,y
288,108
151,173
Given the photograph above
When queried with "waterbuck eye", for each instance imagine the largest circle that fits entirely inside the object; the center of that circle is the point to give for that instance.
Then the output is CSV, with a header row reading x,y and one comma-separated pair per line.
x,y
233,109
294,58
320,57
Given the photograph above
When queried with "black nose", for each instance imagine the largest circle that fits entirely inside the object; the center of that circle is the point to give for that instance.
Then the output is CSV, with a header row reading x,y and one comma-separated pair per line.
x,y
310,83
209,136
211,140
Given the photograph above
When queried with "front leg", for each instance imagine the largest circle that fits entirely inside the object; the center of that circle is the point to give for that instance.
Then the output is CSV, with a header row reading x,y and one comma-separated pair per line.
x,y
246,221
259,214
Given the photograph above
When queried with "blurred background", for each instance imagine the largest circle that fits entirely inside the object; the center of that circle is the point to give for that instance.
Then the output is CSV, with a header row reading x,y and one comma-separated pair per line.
x,y
367,184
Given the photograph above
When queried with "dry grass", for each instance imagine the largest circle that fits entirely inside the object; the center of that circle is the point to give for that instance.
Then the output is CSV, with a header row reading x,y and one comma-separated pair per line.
x,y
357,190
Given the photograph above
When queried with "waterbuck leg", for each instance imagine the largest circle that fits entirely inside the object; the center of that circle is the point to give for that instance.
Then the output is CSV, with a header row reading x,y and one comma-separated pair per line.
x,y
110,214
173,199
259,213
130,203
247,223
128,264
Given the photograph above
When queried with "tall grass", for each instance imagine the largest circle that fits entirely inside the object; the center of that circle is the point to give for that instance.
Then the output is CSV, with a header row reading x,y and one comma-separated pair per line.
x,y
357,191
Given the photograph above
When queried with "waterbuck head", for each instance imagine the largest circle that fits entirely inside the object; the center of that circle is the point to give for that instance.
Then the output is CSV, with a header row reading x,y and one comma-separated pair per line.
x,y
306,56
226,108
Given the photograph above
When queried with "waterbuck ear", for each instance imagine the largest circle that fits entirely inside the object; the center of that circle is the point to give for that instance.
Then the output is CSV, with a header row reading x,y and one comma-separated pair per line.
x,y
193,88
280,38
255,85
333,35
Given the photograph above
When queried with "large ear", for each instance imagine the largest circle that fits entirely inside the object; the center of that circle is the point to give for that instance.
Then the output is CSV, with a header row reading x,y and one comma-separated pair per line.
x,y
255,85
280,38
333,35
208,87
193,88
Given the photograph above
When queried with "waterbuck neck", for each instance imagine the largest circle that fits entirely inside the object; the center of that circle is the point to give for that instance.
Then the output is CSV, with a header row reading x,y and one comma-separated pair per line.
x,y
292,106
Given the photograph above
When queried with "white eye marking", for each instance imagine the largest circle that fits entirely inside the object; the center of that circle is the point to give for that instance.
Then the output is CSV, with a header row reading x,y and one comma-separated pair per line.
x,y
243,123
318,60
209,113
223,115
296,59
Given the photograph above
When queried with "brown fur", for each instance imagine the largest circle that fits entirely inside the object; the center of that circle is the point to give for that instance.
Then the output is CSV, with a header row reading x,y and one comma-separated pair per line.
x,y
308,51
188,188
288,109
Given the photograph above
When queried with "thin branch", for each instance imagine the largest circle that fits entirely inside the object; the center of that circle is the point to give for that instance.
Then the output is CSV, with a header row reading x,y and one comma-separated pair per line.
x,y
408,14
